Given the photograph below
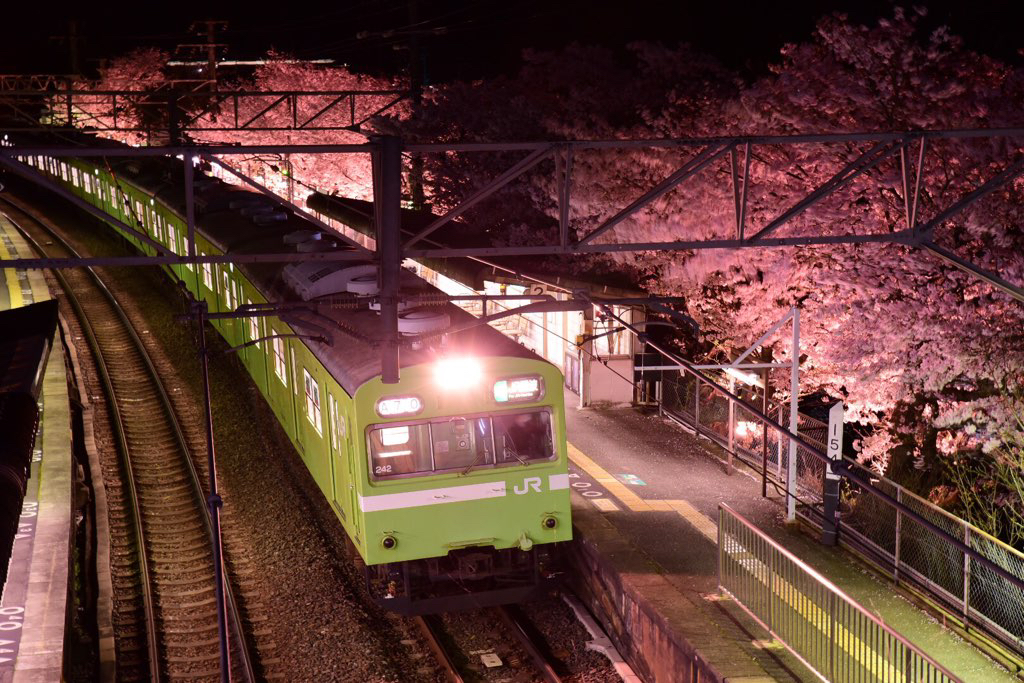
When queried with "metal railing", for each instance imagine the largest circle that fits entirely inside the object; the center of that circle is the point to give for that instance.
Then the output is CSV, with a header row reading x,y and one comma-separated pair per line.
x,y
898,545
910,554
829,631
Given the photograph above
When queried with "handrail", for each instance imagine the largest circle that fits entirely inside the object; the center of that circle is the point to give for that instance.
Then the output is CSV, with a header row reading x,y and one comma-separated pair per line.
x,y
726,511
840,466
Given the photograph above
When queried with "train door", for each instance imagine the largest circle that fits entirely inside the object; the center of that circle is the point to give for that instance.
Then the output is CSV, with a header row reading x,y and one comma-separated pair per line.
x,y
340,477
296,407
351,442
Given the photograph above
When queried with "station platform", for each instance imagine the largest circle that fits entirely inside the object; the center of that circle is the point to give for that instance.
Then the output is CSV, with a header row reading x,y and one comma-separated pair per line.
x,y
33,606
645,504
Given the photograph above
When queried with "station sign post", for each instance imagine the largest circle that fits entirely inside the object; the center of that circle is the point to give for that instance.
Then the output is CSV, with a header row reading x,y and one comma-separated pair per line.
x,y
830,485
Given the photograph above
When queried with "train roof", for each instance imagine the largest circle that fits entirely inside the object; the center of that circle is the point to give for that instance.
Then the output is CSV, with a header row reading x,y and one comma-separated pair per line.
x,y
358,215
224,217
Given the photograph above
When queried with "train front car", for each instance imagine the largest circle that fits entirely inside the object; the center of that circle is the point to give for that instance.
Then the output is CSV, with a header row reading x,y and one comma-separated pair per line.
x,y
464,485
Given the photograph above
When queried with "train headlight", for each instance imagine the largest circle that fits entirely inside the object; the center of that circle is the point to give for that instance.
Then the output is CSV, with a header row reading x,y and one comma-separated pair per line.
x,y
389,542
458,373
550,522
396,406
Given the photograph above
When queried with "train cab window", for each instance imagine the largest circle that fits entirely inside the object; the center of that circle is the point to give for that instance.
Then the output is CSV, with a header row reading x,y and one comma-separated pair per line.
x,y
404,449
461,442
520,437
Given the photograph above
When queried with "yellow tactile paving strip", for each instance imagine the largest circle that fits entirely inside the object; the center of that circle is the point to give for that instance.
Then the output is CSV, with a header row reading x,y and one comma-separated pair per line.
x,y
709,529
633,502
11,278
821,620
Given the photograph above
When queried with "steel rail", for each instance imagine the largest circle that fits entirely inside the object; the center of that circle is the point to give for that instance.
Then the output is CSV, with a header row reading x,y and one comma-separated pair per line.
x,y
122,449
514,621
245,650
430,633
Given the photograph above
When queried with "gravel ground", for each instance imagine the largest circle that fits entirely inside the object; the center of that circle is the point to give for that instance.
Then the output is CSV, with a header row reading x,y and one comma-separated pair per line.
x,y
482,634
567,640
311,618
295,577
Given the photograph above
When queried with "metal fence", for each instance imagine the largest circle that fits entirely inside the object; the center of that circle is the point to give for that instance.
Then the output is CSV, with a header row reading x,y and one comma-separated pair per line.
x,y
899,545
911,554
816,621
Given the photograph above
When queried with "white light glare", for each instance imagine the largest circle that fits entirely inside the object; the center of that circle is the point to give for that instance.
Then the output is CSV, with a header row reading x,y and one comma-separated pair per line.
x,y
457,373
744,428
745,377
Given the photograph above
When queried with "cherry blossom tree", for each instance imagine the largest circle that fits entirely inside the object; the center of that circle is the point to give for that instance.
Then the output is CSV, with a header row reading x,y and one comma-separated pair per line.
x,y
141,71
913,346
346,174
929,359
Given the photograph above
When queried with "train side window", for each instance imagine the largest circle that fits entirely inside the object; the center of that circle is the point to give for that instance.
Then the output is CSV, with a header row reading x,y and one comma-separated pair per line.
x,y
172,238
337,422
229,302
404,449
332,415
254,327
519,437
313,401
280,366
295,370
207,275
461,442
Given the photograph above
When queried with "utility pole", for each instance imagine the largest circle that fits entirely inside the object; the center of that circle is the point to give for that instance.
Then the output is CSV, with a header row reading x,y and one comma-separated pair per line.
x,y
416,95
73,40
416,70
206,29
211,49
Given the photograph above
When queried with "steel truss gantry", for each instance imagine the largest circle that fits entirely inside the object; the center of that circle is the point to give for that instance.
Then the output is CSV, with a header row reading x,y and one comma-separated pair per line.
x,y
175,114
908,148
738,151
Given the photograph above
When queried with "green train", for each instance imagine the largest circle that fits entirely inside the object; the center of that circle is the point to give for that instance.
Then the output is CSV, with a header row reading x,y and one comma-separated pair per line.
x,y
452,484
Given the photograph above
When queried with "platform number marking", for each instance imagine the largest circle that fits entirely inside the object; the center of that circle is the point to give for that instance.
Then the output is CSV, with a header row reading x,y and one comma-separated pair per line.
x,y
10,620
585,488
26,522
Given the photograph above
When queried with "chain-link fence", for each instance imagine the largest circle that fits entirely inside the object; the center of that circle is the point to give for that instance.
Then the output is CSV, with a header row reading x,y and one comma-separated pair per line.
x,y
898,544
912,553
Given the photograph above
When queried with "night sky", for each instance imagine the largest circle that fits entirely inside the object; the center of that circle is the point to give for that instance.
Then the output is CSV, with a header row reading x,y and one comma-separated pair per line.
x,y
463,39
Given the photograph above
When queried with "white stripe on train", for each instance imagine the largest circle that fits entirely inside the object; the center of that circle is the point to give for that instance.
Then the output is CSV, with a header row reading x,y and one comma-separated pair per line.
x,y
457,494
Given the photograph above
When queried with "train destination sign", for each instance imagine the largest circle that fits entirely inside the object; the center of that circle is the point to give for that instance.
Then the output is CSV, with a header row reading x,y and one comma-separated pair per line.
x,y
517,389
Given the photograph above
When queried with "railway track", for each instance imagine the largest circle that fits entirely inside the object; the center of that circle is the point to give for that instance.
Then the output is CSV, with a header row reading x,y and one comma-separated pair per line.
x,y
161,551
511,619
